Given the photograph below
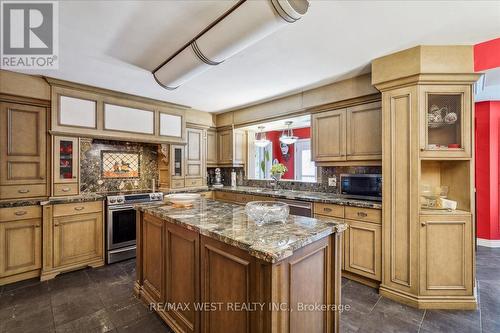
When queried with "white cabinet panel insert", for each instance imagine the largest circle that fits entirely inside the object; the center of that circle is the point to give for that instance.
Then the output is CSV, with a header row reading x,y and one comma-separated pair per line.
x,y
170,125
121,118
77,112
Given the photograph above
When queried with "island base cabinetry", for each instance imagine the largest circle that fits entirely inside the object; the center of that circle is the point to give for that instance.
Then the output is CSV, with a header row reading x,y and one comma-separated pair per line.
x,y
226,289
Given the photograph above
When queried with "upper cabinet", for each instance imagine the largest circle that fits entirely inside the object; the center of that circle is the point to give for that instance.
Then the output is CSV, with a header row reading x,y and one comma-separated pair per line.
x,y
111,115
352,134
231,147
211,157
446,117
65,166
23,151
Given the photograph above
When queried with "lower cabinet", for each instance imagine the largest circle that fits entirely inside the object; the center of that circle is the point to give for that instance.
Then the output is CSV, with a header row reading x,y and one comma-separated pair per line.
x,y
446,255
153,235
73,237
363,247
20,243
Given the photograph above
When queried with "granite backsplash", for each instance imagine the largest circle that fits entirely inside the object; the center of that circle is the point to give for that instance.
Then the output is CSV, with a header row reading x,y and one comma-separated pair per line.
x,y
90,166
320,186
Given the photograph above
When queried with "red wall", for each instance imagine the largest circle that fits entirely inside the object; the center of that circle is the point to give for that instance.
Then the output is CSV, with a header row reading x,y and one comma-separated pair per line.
x,y
487,169
274,137
487,55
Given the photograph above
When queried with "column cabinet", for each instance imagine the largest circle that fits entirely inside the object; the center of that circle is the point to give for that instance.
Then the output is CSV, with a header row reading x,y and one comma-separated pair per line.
x,y
66,165
23,151
195,157
427,113
232,147
211,148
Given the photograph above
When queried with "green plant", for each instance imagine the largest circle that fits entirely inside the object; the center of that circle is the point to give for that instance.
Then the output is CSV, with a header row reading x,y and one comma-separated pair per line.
x,y
278,168
263,162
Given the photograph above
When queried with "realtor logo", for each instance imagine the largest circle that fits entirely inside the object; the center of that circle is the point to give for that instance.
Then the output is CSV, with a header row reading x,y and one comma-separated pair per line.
x,y
29,35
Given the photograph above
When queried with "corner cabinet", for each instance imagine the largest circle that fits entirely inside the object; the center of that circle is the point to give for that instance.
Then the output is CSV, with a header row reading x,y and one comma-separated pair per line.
x,y
23,151
446,118
352,134
66,165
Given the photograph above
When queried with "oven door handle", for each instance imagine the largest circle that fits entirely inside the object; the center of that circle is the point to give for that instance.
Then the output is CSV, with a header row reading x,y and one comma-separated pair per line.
x,y
118,208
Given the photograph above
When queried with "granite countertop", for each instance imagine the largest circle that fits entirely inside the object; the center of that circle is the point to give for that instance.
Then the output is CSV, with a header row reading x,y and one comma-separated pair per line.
x,y
20,203
322,197
230,224
84,197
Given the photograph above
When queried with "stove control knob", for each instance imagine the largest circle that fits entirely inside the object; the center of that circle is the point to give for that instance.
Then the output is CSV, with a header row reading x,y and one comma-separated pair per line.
x,y
112,200
120,200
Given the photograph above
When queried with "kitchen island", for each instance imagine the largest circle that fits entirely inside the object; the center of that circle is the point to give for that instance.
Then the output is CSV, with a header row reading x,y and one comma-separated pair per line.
x,y
210,268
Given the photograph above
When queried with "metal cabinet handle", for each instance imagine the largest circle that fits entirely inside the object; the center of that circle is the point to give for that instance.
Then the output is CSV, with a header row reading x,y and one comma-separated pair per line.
x,y
21,212
79,208
423,224
65,189
23,191
362,214
56,224
326,209
37,226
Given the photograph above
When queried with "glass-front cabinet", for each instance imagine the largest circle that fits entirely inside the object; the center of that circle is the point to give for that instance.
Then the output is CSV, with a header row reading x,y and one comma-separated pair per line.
x,y
66,165
445,121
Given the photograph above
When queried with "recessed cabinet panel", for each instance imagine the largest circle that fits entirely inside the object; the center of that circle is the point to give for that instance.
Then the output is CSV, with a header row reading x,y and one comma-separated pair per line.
x,y
211,147
66,160
329,136
364,132
170,125
77,112
122,118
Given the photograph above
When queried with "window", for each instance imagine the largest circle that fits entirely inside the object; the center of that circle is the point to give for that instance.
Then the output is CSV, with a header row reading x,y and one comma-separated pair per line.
x,y
305,169
263,162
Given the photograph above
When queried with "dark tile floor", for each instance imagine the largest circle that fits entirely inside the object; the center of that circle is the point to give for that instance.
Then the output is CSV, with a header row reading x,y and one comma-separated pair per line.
x,y
100,300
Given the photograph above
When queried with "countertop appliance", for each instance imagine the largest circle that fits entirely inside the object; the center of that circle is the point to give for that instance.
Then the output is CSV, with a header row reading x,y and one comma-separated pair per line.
x,y
299,208
361,186
120,224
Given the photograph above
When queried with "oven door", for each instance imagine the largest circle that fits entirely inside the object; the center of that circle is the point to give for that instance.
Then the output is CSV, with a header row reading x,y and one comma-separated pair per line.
x,y
121,227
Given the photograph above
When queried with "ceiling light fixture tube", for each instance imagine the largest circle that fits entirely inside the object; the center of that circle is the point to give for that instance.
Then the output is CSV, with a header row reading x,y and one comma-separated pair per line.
x,y
247,23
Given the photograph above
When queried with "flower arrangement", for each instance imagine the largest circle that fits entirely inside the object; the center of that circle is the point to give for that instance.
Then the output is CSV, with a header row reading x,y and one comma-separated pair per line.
x,y
277,170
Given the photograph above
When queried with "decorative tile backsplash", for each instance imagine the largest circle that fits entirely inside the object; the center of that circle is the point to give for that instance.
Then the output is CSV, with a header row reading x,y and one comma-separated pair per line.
x,y
92,152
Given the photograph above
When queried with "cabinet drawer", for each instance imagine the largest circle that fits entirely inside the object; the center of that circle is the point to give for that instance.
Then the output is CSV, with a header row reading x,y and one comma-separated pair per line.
x,y
22,191
262,198
77,208
177,183
65,189
244,198
20,213
329,210
225,196
194,182
364,214
207,195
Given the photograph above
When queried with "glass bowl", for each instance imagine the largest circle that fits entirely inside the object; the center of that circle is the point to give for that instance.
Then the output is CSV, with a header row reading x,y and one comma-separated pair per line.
x,y
182,199
263,212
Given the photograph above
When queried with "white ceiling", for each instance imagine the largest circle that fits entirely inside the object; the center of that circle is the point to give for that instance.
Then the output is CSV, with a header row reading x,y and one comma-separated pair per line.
x,y
114,44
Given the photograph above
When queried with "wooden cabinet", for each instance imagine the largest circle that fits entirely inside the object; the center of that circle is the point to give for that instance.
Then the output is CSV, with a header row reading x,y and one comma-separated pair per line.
x,y
352,134
363,249
211,148
328,136
23,151
20,243
364,132
73,237
446,255
66,165
445,121
195,157
153,257
182,276
231,147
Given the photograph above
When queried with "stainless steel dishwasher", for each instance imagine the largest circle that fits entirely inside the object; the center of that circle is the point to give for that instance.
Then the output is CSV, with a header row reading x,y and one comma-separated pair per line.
x,y
299,208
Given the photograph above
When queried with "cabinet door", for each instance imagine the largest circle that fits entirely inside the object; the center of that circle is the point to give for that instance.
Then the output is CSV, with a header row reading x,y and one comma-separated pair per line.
x,y
77,238
446,255
182,274
20,242
363,249
22,145
225,141
66,160
211,147
364,132
240,147
445,121
177,162
194,153
328,136
153,256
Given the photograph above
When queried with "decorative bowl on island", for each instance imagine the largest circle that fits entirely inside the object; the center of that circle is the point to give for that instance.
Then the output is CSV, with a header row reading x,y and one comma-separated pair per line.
x,y
263,212
182,199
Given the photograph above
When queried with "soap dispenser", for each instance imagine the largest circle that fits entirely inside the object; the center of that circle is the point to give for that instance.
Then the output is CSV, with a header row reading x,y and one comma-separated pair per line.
x,y
233,178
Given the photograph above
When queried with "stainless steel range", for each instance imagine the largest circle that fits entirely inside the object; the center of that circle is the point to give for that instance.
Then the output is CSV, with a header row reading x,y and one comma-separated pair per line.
x,y
120,224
